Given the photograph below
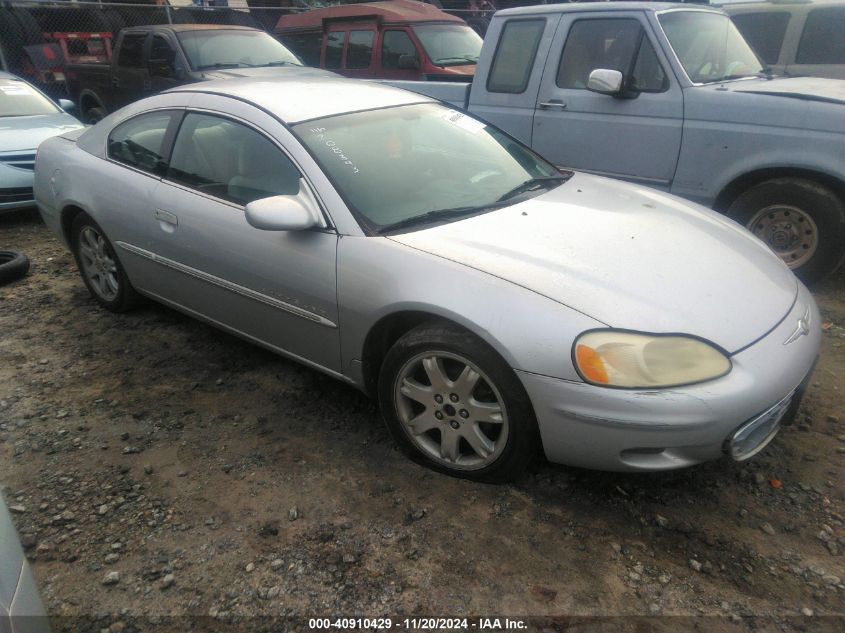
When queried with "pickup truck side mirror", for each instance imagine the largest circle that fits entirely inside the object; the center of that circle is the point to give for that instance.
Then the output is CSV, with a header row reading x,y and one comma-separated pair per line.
x,y
161,68
408,62
606,82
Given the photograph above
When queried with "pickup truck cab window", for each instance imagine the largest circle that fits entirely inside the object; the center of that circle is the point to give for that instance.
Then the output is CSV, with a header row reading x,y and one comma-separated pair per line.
x,y
822,41
616,44
709,46
514,57
132,50
161,52
141,142
230,161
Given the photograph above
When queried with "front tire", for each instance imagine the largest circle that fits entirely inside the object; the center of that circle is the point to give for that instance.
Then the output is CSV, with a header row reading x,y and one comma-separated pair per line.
x,y
802,221
453,404
99,266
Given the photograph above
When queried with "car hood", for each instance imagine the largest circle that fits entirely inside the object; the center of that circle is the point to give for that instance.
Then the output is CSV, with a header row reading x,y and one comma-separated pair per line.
x,y
628,256
807,88
26,132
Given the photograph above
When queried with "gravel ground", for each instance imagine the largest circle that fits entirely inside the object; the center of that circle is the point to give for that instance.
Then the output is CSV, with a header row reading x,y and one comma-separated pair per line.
x,y
157,467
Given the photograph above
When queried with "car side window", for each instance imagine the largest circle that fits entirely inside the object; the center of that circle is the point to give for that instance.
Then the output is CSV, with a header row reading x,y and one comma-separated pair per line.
x,y
615,44
141,142
394,44
514,57
359,51
822,41
764,31
132,51
228,160
334,48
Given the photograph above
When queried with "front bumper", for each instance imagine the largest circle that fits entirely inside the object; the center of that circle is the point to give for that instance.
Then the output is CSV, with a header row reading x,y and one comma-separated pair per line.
x,y
15,188
628,430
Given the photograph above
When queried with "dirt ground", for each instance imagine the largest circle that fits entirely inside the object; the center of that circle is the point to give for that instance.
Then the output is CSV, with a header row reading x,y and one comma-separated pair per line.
x,y
219,480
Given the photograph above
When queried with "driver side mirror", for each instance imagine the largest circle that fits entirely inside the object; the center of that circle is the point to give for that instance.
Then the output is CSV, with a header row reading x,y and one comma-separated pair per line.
x,y
408,62
161,68
606,82
284,213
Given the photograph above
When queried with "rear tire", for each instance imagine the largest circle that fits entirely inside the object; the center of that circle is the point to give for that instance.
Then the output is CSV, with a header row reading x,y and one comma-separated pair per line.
x,y
802,221
99,266
454,405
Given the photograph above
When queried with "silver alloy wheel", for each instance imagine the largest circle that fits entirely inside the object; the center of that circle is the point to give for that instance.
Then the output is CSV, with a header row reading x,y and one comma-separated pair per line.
x,y
789,232
98,266
451,410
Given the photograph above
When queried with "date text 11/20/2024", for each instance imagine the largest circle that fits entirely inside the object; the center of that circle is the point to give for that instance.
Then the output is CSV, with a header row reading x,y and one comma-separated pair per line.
x,y
420,624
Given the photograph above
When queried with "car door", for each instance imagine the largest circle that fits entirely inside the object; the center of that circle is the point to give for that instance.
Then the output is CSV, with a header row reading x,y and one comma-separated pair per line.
x,y
274,287
135,160
821,49
130,79
635,137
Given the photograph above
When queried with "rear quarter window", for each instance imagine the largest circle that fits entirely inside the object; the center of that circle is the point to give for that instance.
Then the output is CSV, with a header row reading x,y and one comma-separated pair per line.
x,y
515,54
764,31
823,39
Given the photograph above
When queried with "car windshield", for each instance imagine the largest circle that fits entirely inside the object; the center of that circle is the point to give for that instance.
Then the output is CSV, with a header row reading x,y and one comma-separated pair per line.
x,y
449,44
234,49
18,98
709,46
420,163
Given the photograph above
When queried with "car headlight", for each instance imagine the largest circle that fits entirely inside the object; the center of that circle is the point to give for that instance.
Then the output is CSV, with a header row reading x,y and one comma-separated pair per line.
x,y
612,358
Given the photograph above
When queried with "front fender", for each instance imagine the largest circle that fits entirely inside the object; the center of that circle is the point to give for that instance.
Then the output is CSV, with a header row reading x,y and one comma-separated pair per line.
x,y
378,277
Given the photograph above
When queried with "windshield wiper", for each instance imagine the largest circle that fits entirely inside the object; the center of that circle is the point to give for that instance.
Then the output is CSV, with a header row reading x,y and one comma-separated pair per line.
x,y
466,59
532,184
281,63
431,216
224,65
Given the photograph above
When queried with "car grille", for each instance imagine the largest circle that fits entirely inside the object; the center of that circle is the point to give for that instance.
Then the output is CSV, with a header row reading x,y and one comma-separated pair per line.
x,y
21,161
15,194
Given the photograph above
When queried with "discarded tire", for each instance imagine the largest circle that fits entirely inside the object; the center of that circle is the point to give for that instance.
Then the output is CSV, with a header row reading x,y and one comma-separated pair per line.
x,y
13,265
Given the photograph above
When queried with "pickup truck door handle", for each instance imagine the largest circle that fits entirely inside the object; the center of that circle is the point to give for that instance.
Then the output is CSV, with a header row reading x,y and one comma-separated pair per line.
x,y
115,81
166,217
552,103
148,85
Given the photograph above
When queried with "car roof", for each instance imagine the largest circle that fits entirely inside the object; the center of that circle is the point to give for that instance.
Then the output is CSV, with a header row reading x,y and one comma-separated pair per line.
x,y
179,28
300,94
580,7
391,12
795,5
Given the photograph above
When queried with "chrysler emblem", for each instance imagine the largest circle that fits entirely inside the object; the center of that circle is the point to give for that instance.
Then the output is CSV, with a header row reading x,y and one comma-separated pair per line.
x,y
802,330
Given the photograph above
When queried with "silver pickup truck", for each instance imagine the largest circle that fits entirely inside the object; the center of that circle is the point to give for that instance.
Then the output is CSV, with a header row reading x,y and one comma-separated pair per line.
x,y
670,96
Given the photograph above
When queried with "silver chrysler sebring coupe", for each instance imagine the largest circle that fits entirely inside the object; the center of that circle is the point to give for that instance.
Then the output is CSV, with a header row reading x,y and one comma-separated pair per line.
x,y
492,304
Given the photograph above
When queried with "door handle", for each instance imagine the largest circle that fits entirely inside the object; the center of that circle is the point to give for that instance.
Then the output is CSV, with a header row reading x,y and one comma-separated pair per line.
x,y
115,81
167,217
552,103
148,84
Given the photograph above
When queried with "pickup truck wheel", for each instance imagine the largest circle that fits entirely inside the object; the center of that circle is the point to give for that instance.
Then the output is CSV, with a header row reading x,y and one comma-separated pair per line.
x,y
99,266
453,404
802,221
93,115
